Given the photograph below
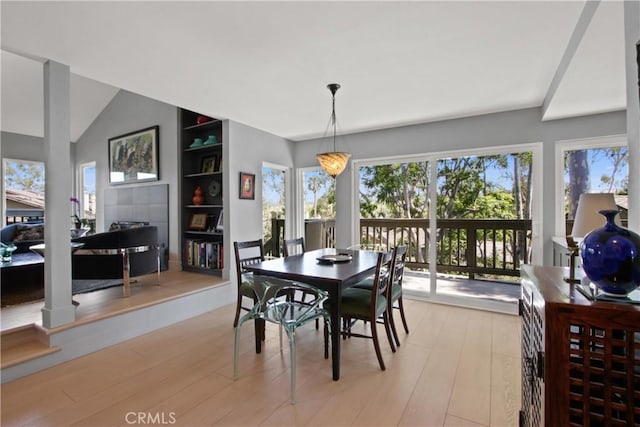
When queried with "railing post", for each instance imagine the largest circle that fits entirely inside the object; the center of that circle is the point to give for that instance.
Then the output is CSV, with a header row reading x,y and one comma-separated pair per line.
x,y
471,250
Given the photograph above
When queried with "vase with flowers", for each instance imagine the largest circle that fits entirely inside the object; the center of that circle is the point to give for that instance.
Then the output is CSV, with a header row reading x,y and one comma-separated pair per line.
x,y
78,221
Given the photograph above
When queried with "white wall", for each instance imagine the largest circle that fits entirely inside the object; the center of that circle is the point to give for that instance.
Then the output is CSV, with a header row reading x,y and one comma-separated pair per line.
x,y
128,112
24,147
248,148
490,130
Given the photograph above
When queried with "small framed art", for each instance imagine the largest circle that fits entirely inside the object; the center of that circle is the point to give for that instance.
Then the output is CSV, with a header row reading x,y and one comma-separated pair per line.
x,y
247,185
198,221
209,164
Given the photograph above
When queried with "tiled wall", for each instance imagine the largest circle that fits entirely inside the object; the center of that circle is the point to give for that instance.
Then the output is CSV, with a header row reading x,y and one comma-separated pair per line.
x,y
148,203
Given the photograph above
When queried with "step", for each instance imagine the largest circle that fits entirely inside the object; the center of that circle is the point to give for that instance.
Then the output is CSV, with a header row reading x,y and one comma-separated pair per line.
x,y
24,343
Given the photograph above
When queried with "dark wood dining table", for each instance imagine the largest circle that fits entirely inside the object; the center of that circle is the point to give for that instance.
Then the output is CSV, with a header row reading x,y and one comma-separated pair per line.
x,y
332,278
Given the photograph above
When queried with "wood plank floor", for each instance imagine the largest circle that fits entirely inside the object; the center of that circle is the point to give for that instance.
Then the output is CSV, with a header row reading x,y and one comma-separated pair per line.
x,y
146,290
457,367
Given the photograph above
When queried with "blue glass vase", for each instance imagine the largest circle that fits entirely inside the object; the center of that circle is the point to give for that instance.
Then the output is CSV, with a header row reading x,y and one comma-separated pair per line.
x,y
610,257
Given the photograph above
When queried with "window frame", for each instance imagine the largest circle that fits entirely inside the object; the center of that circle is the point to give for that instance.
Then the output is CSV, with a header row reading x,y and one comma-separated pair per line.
x,y
80,185
561,148
5,160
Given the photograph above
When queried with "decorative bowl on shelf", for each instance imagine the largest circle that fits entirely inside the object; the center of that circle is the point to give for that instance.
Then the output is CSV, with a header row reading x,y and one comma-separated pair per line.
x,y
196,143
611,258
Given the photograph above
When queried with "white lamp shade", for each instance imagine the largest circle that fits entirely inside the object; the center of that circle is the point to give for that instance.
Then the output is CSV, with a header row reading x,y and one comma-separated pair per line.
x,y
587,217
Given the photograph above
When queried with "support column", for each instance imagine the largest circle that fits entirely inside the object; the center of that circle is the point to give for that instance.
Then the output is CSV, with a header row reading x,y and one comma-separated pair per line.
x,y
58,309
632,36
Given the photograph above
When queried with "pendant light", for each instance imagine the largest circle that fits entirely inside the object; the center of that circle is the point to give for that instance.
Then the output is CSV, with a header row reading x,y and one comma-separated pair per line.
x,y
333,162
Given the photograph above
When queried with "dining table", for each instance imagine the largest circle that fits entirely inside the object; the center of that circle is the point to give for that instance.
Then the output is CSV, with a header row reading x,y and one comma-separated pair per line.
x,y
329,269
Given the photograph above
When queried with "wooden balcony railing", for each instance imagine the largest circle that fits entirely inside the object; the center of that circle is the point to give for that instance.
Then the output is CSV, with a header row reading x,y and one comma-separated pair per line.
x,y
23,215
319,233
465,246
492,247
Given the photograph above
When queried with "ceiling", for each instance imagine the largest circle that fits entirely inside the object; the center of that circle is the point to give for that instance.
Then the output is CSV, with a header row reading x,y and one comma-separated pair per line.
x,y
267,64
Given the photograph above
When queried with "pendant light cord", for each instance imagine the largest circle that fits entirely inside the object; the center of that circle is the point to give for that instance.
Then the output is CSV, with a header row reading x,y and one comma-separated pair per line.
x,y
333,117
333,87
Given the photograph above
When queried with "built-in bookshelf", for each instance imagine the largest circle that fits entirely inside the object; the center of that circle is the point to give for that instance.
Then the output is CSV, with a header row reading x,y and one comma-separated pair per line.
x,y
201,193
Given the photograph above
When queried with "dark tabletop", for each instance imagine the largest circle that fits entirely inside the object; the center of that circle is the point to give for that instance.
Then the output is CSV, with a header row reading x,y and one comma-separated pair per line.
x,y
306,268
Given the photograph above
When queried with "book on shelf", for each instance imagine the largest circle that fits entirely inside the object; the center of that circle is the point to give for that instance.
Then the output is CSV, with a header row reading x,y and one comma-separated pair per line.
x,y
203,254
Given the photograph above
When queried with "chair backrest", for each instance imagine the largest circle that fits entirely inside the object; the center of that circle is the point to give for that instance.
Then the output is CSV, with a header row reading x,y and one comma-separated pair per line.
x,y
247,253
383,276
293,246
368,247
271,307
398,267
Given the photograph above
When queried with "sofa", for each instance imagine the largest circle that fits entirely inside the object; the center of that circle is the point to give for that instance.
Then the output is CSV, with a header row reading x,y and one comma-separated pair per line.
x,y
22,235
103,255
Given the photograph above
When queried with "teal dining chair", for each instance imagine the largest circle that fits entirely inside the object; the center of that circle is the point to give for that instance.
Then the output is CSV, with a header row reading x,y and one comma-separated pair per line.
x,y
295,247
395,299
246,253
287,313
369,305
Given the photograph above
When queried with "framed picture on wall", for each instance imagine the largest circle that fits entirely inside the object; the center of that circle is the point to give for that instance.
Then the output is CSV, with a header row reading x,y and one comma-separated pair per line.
x,y
247,185
133,157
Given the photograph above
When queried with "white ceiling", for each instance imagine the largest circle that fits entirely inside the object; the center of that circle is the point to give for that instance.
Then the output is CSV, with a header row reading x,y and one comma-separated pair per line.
x,y
266,64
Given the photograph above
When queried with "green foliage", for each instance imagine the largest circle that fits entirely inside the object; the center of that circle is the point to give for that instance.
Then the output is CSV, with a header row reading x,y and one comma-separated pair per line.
x,y
24,176
579,179
323,190
397,190
401,190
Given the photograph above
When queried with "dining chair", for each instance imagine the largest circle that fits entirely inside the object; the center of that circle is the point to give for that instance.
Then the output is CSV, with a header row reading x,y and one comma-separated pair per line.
x,y
293,246
288,314
399,257
296,247
378,247
247,253
369,305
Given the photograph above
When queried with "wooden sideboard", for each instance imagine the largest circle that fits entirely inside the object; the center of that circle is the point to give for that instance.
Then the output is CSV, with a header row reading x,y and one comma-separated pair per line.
x,y
580,358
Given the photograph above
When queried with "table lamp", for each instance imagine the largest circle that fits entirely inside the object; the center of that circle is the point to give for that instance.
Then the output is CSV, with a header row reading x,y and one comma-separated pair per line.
x,y
587,219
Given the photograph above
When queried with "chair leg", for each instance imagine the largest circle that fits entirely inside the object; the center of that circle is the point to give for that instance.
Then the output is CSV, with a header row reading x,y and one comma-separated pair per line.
x,y
376,344
292,353
327,322
393,326
387,328
236,352
404,320
238,306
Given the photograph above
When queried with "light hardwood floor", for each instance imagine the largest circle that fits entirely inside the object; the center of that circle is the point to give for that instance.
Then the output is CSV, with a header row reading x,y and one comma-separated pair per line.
x,y
146,290
457,367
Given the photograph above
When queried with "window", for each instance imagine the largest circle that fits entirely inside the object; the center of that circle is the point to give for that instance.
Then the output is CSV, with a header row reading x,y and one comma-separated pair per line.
x,y
23,190
592,166
87,184
319,195
273,208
